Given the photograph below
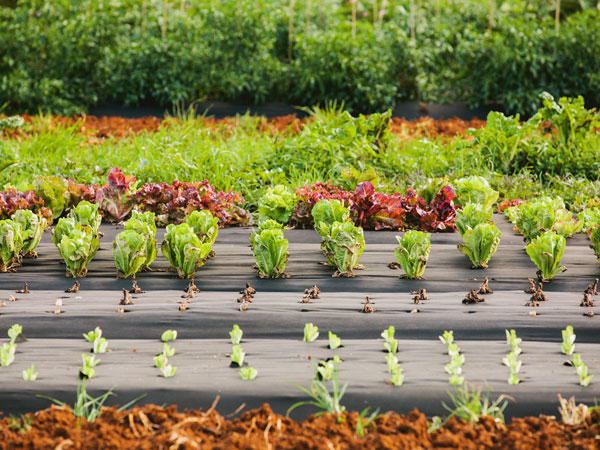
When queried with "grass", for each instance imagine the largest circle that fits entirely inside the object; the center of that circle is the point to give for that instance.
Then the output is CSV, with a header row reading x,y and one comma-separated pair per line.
x,y
245,159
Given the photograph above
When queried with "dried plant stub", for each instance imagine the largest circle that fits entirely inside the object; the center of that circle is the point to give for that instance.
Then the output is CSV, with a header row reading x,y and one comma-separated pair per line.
x,y
587,301
592,289
25,289
135,288
192,287
531,289
73,289
248,290
12,298
472,297
126,299
183,307
419,296
244,306
367,306
310,294
589,313
189,294
485,288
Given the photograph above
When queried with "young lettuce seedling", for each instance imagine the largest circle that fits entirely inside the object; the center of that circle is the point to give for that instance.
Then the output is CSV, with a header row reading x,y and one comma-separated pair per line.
x,y
568,343
100,345
236,334
168,351
447,338
391,344
14,332
311,332
546,252
392,362
237,355
582,370
30,374
326,369
397,377
168,370
413,252
160,361
248,373
7,354
169,335
511,360
87,368
334,341
454,367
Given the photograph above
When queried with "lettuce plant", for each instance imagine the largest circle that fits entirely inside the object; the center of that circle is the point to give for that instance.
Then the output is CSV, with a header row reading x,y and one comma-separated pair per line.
x,y
99,344
447,338
470,216
268,224
237,355
480,244
168,351
7,353
535,218
589,218
32,226
595,238
568,341
167,370
311,332
184,250
129,251
30,374
77,247
248,373
390,344
392,362
565,224
326,212
397,377
334,341
64,226
511,360
454,367
475,189
143,223
204,225
53,191
88,366
86,213
270,253
546,252
413,252
115,199
277,203
14,332
582,370
11,244
168,335
342,244
236,334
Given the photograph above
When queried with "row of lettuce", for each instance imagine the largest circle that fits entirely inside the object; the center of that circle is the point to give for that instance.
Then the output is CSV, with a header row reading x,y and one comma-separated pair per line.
x,y
188,245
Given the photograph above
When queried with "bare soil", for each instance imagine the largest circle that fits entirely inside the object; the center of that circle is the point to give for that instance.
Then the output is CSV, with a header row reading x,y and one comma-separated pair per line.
x,y
154,427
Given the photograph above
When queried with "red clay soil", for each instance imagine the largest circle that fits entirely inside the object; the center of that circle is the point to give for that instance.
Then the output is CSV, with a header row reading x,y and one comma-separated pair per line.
x,y
154,427
98,128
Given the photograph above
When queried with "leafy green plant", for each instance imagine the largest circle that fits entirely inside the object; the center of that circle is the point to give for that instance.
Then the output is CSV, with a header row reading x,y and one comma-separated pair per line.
x,y
447,338
14,332
184,250
99,344
21,424
328,211
480,244
270,253
595,238
471,215
475,189
168,351
342,244
32,228
413,252
546,251
311,332
582,370
277,203
397,377
129,252
512,361
77,248
268,224
392,362
143,223
54,191
204,225
168,370
322,399
326,369
390,344
7,353
30,374
334,341
454,367
248,373
470,405
568,340
236,334
168,335
364,422
86,213
88,366
237,355
11,244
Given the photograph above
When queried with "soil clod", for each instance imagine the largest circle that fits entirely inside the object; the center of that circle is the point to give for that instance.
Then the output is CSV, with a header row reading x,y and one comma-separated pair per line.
x,y
135,288
472,297
419,296
25,289
485,288
592,289
73,289
367,306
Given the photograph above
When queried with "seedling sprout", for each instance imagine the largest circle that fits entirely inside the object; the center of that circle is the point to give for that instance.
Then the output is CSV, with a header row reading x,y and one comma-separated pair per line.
x,y
236,334
334,341
30,374
311,332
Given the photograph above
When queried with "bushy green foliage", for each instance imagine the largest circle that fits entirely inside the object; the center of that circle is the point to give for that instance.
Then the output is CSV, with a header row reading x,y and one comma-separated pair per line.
x,y
11,244
129,251
270,252
546,251
277,203
32,227
77,246
480,244
326,212
342,244
184,250
471,215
